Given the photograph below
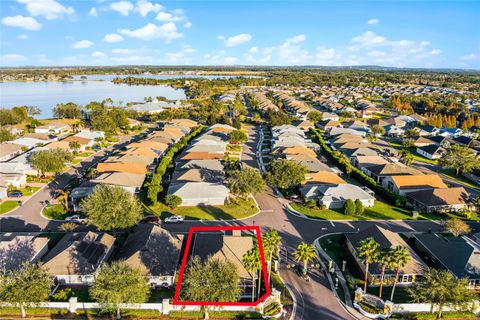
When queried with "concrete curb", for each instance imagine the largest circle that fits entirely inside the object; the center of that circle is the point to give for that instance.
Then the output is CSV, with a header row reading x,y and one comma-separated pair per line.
x,y
294,310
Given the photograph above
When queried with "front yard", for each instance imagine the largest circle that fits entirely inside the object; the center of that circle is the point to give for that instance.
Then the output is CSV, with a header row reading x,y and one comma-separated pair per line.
x,y
380,211
450,173
8,206
239,210
55,211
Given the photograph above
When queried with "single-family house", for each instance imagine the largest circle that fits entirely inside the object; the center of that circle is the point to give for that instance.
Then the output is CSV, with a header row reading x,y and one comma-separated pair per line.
x,y
312,163
431,151
155,250
409,183
9,151
410,273
439,199
214,165
55,127
199,193
334,196
29,143
379,171
198,175
330,116
18,248
76,258
132,182
130,167
327,124
459,255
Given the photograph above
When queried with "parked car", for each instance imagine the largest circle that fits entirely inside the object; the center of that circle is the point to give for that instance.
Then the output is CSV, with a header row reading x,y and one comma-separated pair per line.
x,y
151,219
174,219
15,194
76,219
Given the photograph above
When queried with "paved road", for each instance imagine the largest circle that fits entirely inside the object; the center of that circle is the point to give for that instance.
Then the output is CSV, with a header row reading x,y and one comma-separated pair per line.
x,y
314,299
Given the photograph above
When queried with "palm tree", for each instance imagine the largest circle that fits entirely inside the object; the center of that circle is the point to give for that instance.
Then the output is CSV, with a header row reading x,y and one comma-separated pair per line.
x,y
74,145
305,253
252,264
400,257
271,243
64,195
406,156
368,251
386,261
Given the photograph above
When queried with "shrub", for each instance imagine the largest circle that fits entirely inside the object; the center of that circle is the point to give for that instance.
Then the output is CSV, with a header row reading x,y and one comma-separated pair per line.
x,y
359,207
349,207
312,204
173,201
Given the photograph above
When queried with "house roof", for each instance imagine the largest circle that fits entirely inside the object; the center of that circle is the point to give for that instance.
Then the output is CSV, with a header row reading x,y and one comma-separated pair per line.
x,y
130,167
78,253
9,148
80,140
135,158
368,161
298,150
16,249
123,179
159,146
201,156
198,190
341,192
184,122
153,249
440,196
392,169
198,175
459,255
58,145
388,239
200,164
224,248
312,163
146,152
431,149
431,180
323,177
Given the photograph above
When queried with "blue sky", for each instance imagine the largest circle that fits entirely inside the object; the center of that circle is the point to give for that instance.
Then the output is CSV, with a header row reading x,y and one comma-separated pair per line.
x,y
431,34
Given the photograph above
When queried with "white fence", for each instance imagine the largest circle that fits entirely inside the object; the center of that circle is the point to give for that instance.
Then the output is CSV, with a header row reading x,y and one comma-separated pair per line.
x,y
426,307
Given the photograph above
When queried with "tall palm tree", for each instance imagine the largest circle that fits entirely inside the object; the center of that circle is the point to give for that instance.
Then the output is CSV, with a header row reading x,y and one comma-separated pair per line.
x,y
64,195
386,261
271,243
252,264
368,251
305,253
400,258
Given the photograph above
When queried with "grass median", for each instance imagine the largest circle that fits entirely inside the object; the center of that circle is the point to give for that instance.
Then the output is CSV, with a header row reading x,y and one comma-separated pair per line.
x,y
8,206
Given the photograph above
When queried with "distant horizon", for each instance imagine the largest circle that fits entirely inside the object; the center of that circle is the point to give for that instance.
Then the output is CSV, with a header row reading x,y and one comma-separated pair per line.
x,y
394,34
252,67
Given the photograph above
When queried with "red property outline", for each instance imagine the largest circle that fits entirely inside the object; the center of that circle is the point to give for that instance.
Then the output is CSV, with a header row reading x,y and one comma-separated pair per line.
x,y
184,263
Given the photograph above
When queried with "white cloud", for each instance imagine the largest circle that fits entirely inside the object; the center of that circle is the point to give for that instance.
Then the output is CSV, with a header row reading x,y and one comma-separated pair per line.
x,y
368,39
290,52
167,31
472,56
93,12
219,58
373,21
253,50
134,59
50,9
123,51
236,40
327,57
122,7
187,25
22,36
144,7
27,23
99,54
166,16
435,52
82,44
180,57
112,37
12,58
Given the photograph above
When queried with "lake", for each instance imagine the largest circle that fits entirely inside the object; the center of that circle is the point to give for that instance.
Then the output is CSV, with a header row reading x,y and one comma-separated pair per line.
x,y
46,95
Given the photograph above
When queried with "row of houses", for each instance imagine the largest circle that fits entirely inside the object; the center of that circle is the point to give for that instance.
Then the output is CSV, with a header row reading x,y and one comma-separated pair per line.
x,y
16,154
76,258
425,192
459,255
322,183
199,175
129,167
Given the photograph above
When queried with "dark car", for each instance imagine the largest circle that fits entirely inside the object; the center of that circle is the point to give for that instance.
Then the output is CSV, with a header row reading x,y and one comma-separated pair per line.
x,y
151,219
15,194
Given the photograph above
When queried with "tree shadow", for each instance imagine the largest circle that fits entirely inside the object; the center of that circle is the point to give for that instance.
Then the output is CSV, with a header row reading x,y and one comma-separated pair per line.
x,y
15,253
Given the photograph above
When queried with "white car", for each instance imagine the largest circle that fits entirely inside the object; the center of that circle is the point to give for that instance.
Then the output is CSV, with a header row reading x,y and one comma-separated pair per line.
x,y
76,219
173,219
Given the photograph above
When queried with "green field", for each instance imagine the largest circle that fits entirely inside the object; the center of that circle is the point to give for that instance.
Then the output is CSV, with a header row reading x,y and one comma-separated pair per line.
x,y
55,211
8,206
239,210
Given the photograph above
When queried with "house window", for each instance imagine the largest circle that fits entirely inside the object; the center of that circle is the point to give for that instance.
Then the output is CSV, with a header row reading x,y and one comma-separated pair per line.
x,y
407,278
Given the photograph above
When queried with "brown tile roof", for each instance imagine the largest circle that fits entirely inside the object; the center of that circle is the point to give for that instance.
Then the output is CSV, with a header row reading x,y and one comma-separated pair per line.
x,y
440,196
432,180
58,145
323,177
130,167
298,150
79,139
147,152
149,144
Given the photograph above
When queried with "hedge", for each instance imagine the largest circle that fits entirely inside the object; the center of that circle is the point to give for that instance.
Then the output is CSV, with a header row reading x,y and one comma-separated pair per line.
x,y
344,163
154,187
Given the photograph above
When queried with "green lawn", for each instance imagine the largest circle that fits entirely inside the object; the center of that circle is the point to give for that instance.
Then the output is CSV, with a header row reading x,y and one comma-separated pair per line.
x,y
450,173
234,148
8,206
55,211
27,191
415,155
380,211
239,210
